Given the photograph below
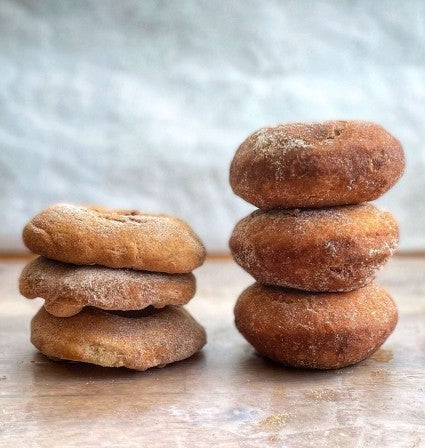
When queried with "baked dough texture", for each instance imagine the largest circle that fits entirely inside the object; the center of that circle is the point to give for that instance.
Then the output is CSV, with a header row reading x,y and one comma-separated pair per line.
x,y
67,288
330,249
116,340
315,330
316,164
114,238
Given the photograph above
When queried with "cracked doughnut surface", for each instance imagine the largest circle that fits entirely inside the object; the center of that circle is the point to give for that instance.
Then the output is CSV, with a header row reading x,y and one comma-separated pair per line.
x,y
137,340
315,330
316,164
114,238
329,249
67,288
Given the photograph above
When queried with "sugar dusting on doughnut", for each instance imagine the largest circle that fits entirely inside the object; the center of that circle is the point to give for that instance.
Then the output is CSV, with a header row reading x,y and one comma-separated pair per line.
x,y
268,142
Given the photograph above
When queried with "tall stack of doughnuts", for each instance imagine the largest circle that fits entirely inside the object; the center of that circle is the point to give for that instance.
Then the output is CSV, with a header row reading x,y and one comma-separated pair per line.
x,y
316,243
114,282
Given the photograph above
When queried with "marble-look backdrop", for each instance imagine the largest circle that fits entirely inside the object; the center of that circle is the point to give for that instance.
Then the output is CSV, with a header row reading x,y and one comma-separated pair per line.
x,y
142,103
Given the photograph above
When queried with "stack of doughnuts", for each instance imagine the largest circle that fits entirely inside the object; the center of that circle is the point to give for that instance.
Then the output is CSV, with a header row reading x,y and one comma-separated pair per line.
x,y
316,243
113,282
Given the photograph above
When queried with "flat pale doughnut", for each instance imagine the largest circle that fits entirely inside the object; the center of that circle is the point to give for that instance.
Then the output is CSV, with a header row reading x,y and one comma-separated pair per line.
x,y
67,288
333,249
114,238
316,164
315,330
111,340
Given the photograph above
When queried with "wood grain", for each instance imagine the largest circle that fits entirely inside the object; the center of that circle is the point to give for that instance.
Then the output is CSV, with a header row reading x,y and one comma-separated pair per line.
x,y
225,396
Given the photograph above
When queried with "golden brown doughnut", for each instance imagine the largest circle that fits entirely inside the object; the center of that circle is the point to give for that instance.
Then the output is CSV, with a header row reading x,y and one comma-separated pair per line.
x,y
333,249
315,330
67,288
316,164
109,339
114,238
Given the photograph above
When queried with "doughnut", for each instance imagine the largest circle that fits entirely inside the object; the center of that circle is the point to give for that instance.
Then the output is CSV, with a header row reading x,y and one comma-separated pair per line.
x,y
114,238
330,249
137,340
315,330
310,165
67,288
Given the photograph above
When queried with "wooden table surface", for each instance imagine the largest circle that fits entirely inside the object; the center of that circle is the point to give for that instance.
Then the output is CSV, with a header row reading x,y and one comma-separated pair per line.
x,y
225,396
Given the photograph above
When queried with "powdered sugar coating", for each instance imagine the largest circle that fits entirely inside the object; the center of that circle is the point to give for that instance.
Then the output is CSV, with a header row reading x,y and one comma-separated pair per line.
x,y
114,238
68,288
316,164
329,249
315,330
266,141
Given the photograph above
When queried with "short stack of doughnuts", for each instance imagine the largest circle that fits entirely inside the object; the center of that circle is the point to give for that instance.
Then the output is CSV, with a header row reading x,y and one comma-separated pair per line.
x,y
316,243
114,282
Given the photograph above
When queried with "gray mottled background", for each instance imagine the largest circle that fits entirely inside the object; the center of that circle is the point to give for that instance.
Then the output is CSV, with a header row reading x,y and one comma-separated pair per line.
x,y
142,103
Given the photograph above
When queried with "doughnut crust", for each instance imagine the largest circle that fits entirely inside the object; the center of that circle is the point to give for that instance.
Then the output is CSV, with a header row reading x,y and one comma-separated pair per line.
x,y
67,288
114,238
333,249
316,164
315,330
146,340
